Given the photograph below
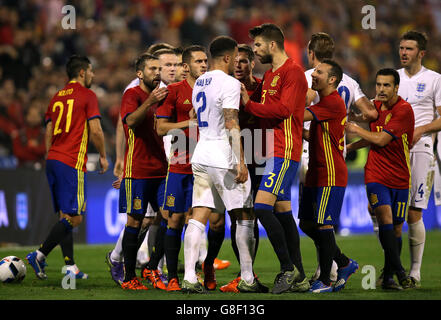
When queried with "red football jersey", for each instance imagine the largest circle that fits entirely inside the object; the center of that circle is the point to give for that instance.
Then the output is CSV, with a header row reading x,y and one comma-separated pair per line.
x,y
176,107
69,111
144,156
327,167
390,165
282,106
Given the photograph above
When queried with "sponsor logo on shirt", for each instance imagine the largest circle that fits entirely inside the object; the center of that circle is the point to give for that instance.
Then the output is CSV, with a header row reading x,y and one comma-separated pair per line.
x,y
421,87
388,118
187,101
274,82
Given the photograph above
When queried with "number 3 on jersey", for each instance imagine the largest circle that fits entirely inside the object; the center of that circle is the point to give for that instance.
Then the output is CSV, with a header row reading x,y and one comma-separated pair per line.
x,y
201,108
59,105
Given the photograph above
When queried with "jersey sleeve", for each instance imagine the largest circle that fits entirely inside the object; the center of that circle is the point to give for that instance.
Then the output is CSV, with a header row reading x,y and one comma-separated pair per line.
x,y
358,93
92,109
47,115
437,91
293,96
401,121
323,110
166,109
231,95
129,104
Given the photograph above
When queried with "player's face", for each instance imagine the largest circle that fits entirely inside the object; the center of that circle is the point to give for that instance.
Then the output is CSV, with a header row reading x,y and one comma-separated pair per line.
x,y
261,50
198,64
409,53
150,75
233,56
181,73
242,66
320,77
88,77
385,88
168,63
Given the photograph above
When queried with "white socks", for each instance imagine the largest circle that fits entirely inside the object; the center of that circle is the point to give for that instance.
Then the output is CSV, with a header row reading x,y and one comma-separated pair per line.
x,y
192,240
245,243
417,238
203,248
117,253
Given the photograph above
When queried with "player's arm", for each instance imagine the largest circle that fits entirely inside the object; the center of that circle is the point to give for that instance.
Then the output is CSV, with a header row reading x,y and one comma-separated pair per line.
x,y
310,96
362,143
164,125
136,117
231,117
367,109
432,127
120,146
97,138
381,138
48,136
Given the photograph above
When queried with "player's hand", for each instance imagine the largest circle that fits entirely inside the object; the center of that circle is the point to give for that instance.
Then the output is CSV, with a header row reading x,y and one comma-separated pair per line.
x,y
244,94
351,127
117,183
417,134
192,114
104,164
242,173
118,169
157,95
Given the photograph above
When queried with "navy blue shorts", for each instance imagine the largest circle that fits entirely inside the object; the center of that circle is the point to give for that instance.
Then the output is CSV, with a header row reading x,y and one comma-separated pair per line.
x,y
321,204
178,192
68,187
398,199
278,177
136,194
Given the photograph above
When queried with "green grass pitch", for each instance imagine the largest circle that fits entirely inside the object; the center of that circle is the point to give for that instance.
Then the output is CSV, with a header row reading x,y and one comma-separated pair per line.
x,y
90,258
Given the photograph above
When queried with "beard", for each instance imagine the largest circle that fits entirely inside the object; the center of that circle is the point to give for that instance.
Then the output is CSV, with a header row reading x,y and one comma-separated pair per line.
x,y
267,58
151,84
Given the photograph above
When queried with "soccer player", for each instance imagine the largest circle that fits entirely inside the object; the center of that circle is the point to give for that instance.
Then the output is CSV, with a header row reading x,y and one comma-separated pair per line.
x,y
420,87
181,72
387,170
221,179
282,106
320,47
145,163
149,229
243,71
72,118
327,176
174,114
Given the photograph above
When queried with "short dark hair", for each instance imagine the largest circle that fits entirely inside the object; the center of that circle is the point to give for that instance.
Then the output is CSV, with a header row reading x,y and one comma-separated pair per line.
x,y
75,64
417,36
322,45
389,72
336,70
270,32
178,51
221,45
140,61
158,46
160,52
247,49
186,55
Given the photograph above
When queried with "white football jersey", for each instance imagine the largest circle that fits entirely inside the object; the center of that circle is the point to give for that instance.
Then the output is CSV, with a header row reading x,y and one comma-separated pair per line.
x,y
213,92
168,138
423,92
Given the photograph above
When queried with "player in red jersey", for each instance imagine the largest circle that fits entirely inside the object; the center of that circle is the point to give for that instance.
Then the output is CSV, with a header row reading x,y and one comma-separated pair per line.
x,y
72,118
282,105
327,176
145,163
387,170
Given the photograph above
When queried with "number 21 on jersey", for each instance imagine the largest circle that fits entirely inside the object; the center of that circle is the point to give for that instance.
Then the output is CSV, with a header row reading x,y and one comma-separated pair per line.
x,y
201,98
60,107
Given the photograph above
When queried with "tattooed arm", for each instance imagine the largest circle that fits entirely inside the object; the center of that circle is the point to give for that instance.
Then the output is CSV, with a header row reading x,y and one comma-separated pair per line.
x,y
231,117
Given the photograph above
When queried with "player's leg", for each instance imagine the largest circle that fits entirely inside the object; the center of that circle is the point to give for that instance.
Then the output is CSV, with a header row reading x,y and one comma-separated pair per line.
x,y
215,237
422,180
68,193
114,260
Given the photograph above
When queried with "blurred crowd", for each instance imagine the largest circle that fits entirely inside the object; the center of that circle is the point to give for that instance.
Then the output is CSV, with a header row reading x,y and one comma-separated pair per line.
x,y
34,47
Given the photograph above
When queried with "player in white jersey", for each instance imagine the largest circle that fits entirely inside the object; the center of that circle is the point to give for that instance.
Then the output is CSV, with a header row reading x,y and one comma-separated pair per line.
x,y
320,47
221,179
420,87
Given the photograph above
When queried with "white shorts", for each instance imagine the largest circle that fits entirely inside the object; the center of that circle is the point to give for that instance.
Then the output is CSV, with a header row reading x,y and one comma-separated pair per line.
x,y
437,181
150,213
422,169
215,188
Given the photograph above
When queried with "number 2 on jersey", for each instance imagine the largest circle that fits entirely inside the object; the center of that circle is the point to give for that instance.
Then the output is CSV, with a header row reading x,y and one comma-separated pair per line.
x,y
201,95
60,105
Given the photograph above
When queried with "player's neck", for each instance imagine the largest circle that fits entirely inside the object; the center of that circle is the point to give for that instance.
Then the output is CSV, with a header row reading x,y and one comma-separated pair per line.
x,y
388,104
279,58
219,66
190,80
144,87
326,92
249,82
413,69
78,80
